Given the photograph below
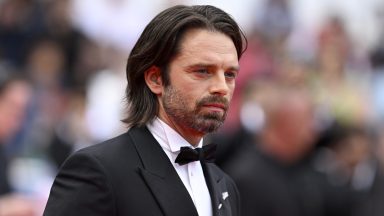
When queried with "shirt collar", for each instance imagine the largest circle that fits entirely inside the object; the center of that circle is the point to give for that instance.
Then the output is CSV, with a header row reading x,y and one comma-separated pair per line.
x,y
172,140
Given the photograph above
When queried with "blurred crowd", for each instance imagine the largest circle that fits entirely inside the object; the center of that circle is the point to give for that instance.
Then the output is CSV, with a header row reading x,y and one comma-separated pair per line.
x,y
304,135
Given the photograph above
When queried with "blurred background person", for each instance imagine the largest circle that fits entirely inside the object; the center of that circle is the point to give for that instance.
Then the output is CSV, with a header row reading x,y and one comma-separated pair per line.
x,y
15,94
272,172
346,156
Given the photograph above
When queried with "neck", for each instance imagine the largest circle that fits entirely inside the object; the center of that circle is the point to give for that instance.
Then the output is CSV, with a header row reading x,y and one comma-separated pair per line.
x,y
193,137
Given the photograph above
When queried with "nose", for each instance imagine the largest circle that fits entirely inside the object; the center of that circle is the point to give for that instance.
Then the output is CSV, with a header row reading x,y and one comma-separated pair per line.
x,y
219,85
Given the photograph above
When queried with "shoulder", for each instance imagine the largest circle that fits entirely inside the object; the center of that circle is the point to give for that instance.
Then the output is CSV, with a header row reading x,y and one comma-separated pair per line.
x,y
109,155
84,175
106,146
120,152
120,146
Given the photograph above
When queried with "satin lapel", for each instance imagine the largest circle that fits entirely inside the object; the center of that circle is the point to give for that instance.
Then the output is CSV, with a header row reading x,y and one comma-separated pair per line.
x,y
218,191
160,175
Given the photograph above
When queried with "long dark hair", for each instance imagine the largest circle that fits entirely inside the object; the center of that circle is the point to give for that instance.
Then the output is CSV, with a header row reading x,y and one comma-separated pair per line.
x,y
159,43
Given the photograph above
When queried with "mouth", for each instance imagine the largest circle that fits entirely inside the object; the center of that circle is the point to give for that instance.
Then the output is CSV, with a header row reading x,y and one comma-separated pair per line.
x,y
216,107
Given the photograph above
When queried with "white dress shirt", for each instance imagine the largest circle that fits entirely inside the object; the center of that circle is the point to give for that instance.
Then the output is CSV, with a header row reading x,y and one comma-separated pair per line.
x,y
191,174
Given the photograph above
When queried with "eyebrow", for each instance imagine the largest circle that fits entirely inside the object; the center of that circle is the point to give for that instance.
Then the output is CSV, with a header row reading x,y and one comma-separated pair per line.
x,y
236,68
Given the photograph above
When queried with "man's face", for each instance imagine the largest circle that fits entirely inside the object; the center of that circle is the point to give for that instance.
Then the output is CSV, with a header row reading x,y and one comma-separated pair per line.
x,y
202,80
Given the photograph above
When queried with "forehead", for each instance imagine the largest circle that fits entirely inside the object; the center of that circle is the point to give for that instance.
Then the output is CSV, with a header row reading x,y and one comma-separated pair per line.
x,y
206,45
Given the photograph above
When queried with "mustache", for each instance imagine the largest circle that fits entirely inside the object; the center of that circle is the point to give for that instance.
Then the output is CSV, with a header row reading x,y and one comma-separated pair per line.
x,y
214,99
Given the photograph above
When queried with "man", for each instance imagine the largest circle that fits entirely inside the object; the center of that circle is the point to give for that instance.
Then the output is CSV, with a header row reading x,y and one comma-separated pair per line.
x,y
15,94
181,76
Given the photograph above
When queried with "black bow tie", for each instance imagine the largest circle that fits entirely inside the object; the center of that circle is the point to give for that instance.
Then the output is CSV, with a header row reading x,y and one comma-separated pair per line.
x,y
187,154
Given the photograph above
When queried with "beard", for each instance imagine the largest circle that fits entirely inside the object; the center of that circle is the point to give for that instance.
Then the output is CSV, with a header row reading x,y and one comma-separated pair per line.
x,y
176,107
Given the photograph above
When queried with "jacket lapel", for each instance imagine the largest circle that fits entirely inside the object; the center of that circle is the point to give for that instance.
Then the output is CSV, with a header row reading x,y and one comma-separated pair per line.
x,y
218,191
160,176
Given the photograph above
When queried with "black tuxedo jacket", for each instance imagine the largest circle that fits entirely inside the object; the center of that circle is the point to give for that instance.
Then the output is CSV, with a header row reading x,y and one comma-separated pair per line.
x,y
131,175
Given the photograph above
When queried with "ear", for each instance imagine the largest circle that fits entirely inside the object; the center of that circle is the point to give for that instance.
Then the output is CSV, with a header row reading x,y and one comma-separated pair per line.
x,y
153,80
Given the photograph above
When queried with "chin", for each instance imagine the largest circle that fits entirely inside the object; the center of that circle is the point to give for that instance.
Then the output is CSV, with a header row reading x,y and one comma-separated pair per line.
x,y
209,126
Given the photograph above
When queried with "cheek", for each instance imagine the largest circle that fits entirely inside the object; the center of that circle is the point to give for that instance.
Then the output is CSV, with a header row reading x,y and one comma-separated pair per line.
x,y
231,91
193,99
183,98
192,94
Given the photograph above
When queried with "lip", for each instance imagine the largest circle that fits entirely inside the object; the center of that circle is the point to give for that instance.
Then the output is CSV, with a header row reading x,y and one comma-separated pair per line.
x,y
216,106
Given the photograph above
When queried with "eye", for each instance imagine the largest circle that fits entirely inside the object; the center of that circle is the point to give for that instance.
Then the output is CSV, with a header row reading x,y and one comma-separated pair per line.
x,y
202,71
231,74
